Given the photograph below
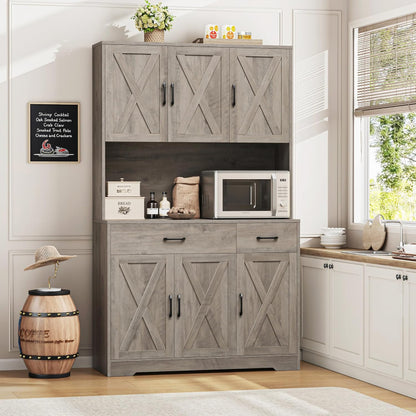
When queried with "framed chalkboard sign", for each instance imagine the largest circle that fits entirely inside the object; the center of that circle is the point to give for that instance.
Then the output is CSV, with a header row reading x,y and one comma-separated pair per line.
x,y
54,132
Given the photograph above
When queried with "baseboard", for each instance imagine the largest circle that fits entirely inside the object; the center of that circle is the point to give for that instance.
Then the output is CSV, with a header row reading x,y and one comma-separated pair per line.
x,y
18,364
369,376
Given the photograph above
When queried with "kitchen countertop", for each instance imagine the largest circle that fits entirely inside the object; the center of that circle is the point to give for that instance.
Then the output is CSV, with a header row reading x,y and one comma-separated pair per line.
x,y
376,260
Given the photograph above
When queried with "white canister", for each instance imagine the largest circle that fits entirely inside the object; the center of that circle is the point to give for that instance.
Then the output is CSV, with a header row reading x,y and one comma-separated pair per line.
x,y
123,188
124,208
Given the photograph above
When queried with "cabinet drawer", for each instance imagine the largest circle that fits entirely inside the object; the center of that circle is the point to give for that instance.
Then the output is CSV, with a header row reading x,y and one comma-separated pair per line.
x,y
159,238
267,237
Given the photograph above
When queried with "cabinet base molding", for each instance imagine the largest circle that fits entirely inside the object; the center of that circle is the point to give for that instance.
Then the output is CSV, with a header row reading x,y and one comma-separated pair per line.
x,y
363,374
129,368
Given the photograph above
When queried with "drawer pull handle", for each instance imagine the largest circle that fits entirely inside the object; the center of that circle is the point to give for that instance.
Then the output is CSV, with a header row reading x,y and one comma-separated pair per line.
x,y
174,239
267,238
241,304
179,306
170,306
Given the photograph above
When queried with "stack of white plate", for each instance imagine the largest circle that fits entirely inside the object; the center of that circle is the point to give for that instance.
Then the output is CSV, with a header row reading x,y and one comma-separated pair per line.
x,y
333,237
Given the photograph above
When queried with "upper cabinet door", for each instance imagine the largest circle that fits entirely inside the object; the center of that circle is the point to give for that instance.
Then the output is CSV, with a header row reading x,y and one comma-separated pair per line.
x,y
135,93
199,94
260,95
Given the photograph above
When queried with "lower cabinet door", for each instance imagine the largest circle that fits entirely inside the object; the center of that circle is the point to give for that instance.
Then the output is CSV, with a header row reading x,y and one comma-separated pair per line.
x,y
315,304
141,314
384,320
409,313
267,303
205,305
347,311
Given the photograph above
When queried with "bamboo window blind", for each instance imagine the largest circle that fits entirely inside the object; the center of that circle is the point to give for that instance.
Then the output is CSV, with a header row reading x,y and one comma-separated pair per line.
x,y
385,67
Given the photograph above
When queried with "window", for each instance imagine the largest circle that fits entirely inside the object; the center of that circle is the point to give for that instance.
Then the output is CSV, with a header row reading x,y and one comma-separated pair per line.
x,y
385,120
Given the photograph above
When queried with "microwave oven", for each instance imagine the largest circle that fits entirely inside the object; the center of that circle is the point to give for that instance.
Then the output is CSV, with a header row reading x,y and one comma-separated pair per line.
x,y
245,194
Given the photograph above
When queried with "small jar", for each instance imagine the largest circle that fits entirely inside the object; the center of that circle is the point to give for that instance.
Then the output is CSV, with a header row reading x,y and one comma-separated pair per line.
x,y
247,35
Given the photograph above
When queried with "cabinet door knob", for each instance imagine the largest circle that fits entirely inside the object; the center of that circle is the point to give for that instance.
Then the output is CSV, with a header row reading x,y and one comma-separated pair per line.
x,y
325,265
398,276
331,266
405,277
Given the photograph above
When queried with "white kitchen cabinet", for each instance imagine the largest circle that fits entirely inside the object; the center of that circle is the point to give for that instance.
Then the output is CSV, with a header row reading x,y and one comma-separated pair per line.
x,y
333,308
359,319
409,322
384,320
346,311
315,304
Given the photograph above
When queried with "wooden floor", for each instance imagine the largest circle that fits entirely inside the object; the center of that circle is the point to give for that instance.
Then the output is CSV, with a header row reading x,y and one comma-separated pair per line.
x,y
88,382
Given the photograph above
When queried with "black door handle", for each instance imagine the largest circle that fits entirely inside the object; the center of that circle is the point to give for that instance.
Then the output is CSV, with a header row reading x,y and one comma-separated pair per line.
x,y
164,94
172,90
267,238
170,306
179,306
241,304
233,102
174,239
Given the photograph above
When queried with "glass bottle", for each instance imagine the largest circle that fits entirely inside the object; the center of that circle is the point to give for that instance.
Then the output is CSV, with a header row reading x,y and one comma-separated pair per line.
x,y
164,206
152,210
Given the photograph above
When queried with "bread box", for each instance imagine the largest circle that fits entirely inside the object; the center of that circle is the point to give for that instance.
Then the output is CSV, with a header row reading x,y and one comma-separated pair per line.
x,y
123,188
124,208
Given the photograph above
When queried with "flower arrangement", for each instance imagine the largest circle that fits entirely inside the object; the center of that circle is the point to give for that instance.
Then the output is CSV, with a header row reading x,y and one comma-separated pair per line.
x,y
150,17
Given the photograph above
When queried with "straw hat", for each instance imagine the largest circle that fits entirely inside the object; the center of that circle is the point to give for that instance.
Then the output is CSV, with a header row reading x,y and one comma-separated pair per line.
x,y
47,255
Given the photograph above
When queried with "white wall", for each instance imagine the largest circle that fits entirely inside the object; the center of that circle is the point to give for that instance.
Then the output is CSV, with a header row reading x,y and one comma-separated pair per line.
x,y
358,9
45,55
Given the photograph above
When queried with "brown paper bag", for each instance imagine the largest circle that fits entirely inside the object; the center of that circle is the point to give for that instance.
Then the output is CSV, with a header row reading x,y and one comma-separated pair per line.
x,y
185,193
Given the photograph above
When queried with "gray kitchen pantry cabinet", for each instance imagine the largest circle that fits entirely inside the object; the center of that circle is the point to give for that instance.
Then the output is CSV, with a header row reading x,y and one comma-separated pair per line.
x,y
193,92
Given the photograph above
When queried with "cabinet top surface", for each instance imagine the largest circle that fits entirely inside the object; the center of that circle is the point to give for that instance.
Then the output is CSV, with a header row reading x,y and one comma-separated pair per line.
x,y
340,255
196,45
201,221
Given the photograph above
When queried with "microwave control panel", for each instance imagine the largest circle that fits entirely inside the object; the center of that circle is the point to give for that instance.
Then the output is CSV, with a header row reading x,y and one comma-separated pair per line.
x,y
283,194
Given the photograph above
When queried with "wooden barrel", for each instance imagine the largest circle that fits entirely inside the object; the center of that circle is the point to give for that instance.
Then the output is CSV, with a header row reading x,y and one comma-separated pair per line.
x,y
49,333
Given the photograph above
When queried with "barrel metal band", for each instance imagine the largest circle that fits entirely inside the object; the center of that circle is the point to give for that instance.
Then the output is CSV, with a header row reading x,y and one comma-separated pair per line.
x,y
49,314
49,357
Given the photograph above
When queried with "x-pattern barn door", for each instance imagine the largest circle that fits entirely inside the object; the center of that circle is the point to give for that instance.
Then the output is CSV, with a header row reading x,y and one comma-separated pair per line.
x,y
261,95
206,325
199,94
141,325
266,323
136,93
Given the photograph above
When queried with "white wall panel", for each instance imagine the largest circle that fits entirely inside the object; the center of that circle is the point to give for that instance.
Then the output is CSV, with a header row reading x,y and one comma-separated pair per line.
x,y
317,86
73,274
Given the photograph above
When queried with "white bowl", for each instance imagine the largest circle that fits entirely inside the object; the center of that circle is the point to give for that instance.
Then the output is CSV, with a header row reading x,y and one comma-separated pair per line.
x,y
333,231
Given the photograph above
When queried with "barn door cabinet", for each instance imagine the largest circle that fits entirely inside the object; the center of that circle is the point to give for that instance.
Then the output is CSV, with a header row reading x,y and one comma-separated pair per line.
x,y
217,295
193,93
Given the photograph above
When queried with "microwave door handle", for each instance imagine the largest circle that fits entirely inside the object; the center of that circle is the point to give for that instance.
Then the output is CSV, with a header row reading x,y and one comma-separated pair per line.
x,y
255,195
274,195
251,195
